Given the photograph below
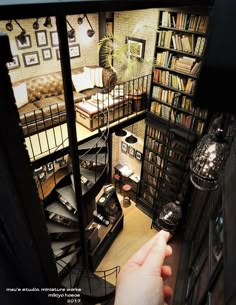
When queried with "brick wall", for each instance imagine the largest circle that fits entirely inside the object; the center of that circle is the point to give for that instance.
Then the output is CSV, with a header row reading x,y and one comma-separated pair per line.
x,y
88,46
125,158
137,23
140,24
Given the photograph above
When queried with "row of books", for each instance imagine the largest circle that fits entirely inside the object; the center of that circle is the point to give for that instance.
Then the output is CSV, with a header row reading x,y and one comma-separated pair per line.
x,y
176,155
156,134
184,21
152,157
188,43
163,110
177,62
150,189
176,150
179,146
185,103
154,145
151,168
147,197
182,102
164,95
166,78
150,179
187,120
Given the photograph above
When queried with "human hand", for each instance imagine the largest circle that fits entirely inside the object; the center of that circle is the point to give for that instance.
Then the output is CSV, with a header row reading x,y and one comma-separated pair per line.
x,y
140,281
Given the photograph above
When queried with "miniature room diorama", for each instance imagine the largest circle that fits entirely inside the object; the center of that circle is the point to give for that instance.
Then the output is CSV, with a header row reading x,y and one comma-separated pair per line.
x,y
116,145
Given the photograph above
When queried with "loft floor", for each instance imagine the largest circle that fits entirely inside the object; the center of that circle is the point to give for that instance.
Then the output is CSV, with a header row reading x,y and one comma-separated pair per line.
x,y
46,142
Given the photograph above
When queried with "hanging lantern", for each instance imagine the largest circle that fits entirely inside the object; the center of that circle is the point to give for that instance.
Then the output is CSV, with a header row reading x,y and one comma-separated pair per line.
x,y
169,217
208,160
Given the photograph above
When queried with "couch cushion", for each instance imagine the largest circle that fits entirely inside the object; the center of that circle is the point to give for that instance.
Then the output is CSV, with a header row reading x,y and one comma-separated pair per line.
x,y
82,81
44,86
51,105
21,96
29,113
78,97
40,125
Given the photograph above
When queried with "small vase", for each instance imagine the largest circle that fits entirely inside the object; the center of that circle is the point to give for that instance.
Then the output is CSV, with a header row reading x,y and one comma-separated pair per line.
x,y
169,217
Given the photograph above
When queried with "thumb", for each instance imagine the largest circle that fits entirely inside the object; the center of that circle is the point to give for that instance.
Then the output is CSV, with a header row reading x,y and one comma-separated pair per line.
x,y
157,253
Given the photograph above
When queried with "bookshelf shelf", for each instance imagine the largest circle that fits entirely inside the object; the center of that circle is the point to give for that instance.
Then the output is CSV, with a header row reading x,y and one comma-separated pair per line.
x,y
172,125
180,52
181,30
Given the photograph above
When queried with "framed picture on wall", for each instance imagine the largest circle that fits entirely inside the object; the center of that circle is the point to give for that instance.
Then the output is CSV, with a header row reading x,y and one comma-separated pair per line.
x,y
41,38
74,51
23,43
124,147
54,38
131,151
15,63
136,47
31,58
138,155
47,53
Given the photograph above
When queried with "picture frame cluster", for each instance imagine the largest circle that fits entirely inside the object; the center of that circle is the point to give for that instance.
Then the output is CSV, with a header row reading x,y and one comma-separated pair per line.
x,y
43,47
131,151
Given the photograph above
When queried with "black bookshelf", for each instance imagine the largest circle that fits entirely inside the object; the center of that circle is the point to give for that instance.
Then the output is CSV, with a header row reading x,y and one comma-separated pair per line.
x,y
173,125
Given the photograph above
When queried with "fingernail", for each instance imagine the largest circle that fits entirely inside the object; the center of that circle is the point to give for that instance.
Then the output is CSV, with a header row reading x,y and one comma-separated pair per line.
x,y
165,234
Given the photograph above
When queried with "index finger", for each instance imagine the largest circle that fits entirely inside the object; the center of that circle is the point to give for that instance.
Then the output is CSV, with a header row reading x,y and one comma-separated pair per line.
x,y
157,253
140,256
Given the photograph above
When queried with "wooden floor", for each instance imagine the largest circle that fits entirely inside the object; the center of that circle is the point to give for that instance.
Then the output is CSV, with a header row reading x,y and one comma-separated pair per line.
x,y
137,230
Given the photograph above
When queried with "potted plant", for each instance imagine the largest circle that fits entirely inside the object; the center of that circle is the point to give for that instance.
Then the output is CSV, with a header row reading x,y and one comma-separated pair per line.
x,y
121,58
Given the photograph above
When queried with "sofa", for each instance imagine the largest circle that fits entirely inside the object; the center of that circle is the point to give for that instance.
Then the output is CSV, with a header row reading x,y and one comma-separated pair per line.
x,y
40,99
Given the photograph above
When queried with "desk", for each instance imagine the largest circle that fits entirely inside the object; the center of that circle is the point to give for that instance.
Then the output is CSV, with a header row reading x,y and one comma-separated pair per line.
x,y
132,178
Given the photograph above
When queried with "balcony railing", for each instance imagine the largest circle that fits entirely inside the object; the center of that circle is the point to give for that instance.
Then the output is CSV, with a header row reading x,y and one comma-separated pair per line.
x,y
45,129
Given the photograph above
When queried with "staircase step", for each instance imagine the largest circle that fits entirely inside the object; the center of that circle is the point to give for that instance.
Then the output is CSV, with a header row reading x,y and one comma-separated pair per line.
x,y
58,232
61,254
64,265
58,228
96,142
70,279
68,197
57,212
60,245
100,158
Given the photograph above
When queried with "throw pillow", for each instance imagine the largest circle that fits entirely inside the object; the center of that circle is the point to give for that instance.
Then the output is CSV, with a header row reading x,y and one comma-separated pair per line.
x,y
82,81
91,73
21,96
98,77
95,75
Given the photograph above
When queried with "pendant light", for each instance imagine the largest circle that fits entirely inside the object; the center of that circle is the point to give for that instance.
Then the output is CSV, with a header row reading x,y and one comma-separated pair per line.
x,y
120,133
208,160
90,32
36,24
170,217
131,139
9,25
22,36
48,22
71,32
